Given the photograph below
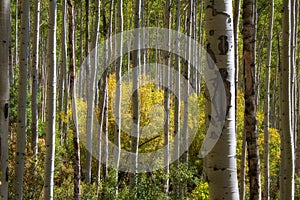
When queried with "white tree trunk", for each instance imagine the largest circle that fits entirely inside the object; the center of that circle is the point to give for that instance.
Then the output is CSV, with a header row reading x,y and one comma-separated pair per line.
x,y
236,20
297,163
167,85
275,86
4,95
135,132
16,32
50,102
102,102
242,185
91,79
266,193
293,64
117,134
35,68
72,75
186,88
177,112
22,98
10,54
63,76
221,162
287,152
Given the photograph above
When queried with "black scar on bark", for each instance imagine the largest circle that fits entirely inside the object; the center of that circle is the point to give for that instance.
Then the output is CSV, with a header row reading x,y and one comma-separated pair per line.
x,y
6,110
224,75
6,174
210,52
215,12
223,45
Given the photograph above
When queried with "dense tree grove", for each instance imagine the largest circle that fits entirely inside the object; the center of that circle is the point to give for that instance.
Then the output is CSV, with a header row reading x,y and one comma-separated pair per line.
x,y
117,99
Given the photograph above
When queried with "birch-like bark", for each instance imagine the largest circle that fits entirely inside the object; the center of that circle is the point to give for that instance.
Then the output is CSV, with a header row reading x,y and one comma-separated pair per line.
x,y
297,69
64,77
102,95
22,99
194,50
4,96
258,75
87,50
177,89
60,95
177,111
296,66
275,109
50,102
72,74
236,20
186,92
186,89
107,28
167,86
90,84
293,64
91,93
297,163
10,55
43,77
242,190
117,134
250,123
35,68
297,153
105,132
221,161
287,152
109,48
143,51
16,32
135,131
266,194
102,84
81,80
200,51
62,71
